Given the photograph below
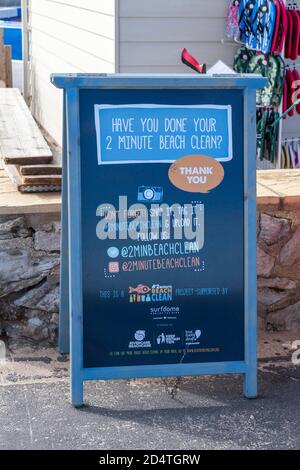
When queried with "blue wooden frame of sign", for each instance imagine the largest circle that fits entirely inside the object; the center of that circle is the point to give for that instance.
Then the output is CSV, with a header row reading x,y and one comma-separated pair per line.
x,y
174,307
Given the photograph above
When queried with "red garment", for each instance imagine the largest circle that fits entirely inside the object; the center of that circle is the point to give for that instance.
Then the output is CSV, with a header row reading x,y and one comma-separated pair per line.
x,y
274,45
298,11
295,34
289,83
289,36
283,25
284,98
296,88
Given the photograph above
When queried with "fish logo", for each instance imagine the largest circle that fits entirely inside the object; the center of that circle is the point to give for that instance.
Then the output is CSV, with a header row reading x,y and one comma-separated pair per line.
x,y
140,289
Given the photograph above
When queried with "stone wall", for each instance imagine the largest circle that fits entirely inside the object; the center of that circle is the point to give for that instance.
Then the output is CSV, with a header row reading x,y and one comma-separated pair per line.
x,y
29,278
29,274
278,268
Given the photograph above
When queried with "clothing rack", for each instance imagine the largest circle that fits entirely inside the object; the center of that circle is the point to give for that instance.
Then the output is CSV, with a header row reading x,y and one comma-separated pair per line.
x,y
280,110
292,66
290,5
293,139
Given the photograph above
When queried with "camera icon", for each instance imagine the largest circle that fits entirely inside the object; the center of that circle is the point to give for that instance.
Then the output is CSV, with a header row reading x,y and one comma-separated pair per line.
x,y
150,194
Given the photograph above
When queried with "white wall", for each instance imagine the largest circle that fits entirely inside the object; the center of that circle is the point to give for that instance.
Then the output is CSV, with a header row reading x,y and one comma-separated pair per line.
x,y
118,35
67,36
153,33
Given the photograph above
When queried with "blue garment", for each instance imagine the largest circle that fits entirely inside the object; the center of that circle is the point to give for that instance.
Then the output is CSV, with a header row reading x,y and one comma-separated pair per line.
x,y
257,24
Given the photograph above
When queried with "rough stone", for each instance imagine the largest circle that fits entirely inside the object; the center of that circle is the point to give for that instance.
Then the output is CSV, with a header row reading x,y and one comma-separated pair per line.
x,y
285,319
265,263
29,278
13,330
269,297
54,319
16,244
12,225
24,232
290,253
45,333
47,241
35,328
47,227
50,303
43,297
277,283
53,278
19,270
6,236
257,223
57,226
35,322
273,229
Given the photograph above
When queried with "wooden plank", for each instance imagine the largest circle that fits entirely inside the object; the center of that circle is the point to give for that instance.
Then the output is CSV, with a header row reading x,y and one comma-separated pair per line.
x,y
29,183
39,188
2,57
8,66
21,141
12,172
23,160
7,187
40,170
41,179
13,202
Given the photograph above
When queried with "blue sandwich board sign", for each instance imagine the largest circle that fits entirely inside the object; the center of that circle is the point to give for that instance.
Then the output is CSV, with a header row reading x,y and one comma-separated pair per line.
x,y
158,274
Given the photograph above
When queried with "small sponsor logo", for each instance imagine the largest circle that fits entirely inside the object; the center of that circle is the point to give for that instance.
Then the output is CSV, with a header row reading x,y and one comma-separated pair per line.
x,y
113,252
139,340
164,311
113,267
156,293
192,337
150,194
140,335
167,338
140,289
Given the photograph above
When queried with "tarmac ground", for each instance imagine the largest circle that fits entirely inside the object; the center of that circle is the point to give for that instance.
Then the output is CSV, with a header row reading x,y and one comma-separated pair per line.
x,y
157,414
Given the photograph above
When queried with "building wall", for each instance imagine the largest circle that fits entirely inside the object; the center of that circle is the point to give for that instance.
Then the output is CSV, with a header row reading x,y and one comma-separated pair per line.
x,y
67,36
118,35
153,33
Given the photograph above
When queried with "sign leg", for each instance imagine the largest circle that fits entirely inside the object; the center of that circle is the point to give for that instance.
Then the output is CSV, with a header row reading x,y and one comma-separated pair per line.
x,y
64,333
76,390
74,245
250,379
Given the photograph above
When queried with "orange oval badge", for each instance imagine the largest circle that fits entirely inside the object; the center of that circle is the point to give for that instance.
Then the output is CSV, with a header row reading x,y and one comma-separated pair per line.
x,y
196,173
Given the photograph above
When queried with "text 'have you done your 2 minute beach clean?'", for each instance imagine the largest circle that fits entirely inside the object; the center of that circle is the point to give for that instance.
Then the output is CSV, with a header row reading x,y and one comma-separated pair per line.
x,y
173,136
